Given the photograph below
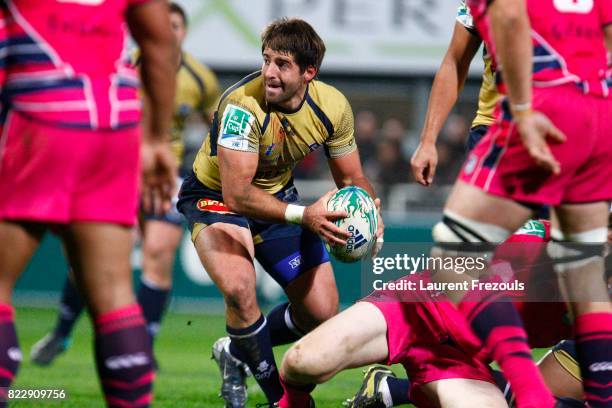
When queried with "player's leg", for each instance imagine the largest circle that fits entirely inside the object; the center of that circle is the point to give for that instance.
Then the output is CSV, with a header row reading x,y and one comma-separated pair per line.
x,y
57,341
161,238
298,261
472,215
226,251
353,338
580,260
100,256
463,393
14,257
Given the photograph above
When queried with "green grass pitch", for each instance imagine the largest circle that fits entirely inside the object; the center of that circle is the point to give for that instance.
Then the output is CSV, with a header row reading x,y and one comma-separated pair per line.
x,y
188,377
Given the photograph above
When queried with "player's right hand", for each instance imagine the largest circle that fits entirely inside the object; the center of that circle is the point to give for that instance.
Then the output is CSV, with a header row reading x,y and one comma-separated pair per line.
x,y
424,162
320,221
159,172
535,128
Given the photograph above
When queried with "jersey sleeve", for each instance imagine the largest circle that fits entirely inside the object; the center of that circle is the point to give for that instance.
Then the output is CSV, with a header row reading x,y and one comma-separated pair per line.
x,y
342,142
238,128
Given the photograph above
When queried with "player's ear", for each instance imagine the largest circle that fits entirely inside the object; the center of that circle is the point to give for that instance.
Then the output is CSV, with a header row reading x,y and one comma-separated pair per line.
x,y
309,73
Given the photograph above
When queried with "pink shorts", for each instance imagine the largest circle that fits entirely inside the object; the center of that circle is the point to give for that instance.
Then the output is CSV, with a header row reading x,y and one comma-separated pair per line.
x,y
62,175
433,343
500,165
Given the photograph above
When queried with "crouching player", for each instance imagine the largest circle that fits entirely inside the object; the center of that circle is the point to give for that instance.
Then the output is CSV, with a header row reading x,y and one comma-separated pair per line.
x,y
241,203
432,340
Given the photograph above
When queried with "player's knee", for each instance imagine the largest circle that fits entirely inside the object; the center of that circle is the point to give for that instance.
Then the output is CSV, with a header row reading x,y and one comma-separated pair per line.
x,y
240,297
300,365
158,250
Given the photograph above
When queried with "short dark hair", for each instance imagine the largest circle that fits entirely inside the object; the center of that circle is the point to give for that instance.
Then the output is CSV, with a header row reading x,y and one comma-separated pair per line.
x,y
175,8
296,37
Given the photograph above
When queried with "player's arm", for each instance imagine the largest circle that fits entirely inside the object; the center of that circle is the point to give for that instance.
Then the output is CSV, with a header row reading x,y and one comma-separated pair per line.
x,y
150,27
237,170
512,37
447,84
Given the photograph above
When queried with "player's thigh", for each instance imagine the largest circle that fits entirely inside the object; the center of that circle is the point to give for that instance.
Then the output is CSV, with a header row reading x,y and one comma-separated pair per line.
x,y
577,218
464,393
475,204
313,296
161,237
19,242
99,254
559,380
353,338
226,252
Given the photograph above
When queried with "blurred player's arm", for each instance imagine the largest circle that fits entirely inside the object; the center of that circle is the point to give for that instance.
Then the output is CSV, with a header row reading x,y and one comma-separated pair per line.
x,y
150,26
447,85
512,37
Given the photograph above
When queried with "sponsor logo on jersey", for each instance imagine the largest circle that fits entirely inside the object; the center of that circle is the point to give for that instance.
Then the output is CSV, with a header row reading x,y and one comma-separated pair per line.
x,y
216,206
236,126
126,361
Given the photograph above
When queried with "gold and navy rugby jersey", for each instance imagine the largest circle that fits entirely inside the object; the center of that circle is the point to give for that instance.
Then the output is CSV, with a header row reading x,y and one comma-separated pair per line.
x,y
488,97
245,122
197,91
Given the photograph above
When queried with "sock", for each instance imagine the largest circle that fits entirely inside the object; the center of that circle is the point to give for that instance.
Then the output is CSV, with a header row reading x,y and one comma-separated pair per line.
x,y
499,327
282,328
296,396
252,346
594,349
71,307
124,357
153,301
399,391
10,354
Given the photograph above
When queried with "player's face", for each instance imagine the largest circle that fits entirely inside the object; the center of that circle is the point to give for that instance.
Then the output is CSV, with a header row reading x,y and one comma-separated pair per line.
x,y
284,82
178,27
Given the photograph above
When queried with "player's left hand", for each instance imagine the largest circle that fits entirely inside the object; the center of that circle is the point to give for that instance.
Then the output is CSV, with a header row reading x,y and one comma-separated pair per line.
x,y
379,232
534,128
159,172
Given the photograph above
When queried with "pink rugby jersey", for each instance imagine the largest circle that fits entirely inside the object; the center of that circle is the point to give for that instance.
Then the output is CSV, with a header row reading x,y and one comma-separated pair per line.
x,y
65,63
568,41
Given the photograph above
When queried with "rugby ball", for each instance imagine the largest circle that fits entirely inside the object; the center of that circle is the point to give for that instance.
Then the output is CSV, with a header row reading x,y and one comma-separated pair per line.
x,y
361,223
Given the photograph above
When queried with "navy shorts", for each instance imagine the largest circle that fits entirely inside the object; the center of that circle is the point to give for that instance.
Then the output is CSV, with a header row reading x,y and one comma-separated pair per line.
x,y
284,250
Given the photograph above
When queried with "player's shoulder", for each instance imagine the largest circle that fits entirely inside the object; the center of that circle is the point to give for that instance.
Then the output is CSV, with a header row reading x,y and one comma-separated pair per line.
x,y
196,66
328,99
246,95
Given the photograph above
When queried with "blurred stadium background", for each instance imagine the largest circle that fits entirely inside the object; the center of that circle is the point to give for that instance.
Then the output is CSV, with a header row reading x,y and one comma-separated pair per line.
x,y
382,55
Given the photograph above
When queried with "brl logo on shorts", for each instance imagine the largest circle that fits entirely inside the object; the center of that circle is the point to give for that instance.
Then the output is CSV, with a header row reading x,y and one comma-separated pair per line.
x,y
207,204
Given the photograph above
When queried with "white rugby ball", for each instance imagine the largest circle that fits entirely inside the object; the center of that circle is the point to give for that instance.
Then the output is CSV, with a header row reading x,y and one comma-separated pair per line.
x,y
361,223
